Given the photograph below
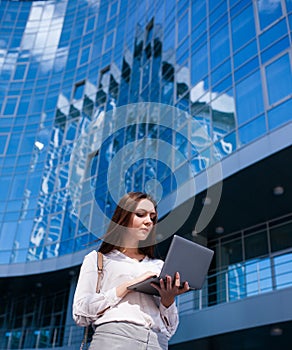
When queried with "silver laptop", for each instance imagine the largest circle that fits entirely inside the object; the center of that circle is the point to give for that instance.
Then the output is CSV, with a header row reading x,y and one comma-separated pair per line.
x,y
190,259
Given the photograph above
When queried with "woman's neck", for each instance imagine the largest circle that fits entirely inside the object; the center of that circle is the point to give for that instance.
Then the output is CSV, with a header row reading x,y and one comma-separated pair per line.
x,y
131,250
133,253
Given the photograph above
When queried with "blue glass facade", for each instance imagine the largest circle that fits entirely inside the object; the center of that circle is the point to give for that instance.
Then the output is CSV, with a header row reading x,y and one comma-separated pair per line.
x,y
64,62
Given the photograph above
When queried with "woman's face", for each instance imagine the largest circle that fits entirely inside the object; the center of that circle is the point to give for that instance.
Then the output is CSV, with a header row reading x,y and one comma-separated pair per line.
x,y
142,220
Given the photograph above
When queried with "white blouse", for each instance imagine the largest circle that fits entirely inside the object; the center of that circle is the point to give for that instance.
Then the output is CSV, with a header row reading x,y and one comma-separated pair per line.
x,y
135,307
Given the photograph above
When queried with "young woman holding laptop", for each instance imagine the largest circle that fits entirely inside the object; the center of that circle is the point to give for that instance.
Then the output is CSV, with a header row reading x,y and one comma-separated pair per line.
x,y
125,319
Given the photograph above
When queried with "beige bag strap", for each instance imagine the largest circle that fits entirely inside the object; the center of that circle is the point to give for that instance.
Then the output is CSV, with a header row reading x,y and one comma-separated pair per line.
x,y
99,270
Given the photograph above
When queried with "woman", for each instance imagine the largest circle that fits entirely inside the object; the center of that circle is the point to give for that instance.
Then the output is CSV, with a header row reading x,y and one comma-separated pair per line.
x,y
126,319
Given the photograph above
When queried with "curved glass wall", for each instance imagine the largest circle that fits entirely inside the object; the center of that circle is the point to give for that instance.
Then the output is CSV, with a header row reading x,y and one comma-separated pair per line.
x,y
64,62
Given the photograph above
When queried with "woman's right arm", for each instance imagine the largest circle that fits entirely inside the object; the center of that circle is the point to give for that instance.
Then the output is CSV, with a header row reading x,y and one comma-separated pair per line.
x,y
88,305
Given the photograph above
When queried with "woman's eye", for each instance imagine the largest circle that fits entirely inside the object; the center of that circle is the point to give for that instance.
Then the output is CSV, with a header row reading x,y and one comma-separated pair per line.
x,y
142,215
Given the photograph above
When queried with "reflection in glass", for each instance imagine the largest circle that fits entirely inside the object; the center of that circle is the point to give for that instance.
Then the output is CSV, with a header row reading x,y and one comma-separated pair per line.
x,y
245,54
272,35
249,98
243,28
252,130
268,11
280,114
199,64
152,54
183,27
236,282
274,49
280,71
258,276
219,47
3,141
10,106
223,118
246,69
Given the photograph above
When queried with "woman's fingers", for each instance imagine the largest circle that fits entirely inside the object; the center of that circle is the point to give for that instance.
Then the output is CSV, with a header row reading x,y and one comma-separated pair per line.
x,y
177,280
169,286
162,284
185,288
168,282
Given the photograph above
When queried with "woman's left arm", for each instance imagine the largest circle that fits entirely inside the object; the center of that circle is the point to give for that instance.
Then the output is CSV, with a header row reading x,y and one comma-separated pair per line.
x,y
168,291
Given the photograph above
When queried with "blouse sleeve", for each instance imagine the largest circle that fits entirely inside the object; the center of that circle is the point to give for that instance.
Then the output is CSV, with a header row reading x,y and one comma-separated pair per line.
x,y
170,318
88,305
168,315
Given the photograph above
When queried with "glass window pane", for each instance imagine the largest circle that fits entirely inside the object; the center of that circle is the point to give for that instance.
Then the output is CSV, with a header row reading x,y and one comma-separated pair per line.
x,y
19,72
199,33
256,245
218,12
252,130
198,11
243,29
273,34
280,114
79,90
289,5
246,69
85,55
223,85
231,252
219,45
90,24
10,106
183,27
281,237
249,98
113,9
245,54
6,240
219,73
4,187
268,11
109,41
275,49
222,115
18,185
28,140
239,5
199,64
23,233
3,140
279,71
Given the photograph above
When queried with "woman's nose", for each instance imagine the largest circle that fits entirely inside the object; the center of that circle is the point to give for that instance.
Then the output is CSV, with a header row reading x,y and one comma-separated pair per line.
x,y
147,220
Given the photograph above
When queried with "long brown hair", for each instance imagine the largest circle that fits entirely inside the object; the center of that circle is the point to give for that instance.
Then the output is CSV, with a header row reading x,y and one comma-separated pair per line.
x,y
121,219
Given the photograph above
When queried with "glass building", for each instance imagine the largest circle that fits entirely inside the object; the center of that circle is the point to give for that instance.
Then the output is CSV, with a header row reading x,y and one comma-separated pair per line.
x,y
221,72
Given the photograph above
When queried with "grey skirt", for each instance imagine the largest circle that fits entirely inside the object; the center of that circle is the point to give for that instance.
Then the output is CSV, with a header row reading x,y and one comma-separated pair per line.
x,y
127,336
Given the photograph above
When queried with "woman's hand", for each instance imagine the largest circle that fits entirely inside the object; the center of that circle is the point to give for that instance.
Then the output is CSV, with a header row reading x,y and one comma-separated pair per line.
x,y
170,289
122,289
